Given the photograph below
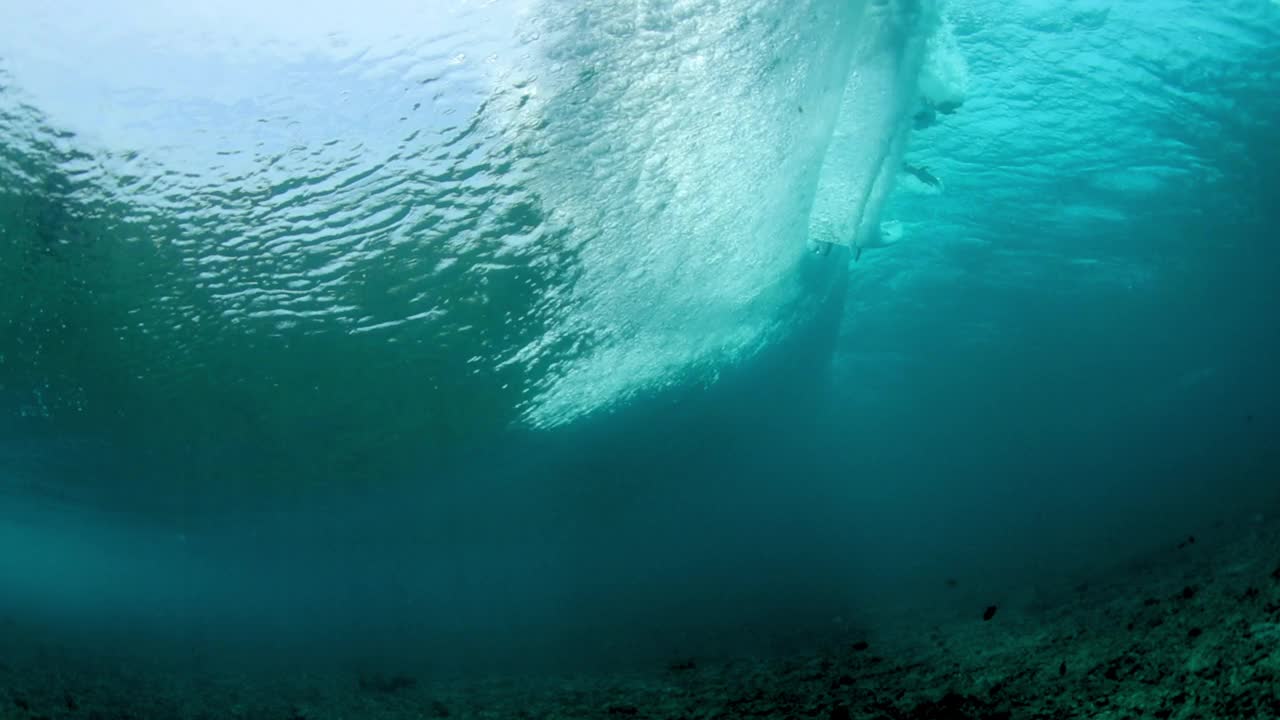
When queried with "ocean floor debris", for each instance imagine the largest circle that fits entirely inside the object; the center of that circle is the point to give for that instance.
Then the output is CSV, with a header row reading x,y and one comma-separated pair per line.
x,y
1175,636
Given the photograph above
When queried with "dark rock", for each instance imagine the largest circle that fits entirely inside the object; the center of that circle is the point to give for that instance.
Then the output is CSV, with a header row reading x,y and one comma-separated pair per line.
x,y
842,681
989,613
1251,593
840,712
954,706
386,685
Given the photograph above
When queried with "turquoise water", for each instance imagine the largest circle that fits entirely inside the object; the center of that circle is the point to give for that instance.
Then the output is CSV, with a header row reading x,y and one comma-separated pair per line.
x,y
551,329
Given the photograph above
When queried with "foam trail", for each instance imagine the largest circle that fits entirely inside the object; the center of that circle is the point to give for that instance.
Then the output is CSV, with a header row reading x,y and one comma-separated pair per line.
x,y
690,236
680,161
871,135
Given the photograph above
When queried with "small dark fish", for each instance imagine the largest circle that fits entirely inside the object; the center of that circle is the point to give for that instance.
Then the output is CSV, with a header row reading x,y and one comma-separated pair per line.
x,y
860,646
990,612
952,582
1062,669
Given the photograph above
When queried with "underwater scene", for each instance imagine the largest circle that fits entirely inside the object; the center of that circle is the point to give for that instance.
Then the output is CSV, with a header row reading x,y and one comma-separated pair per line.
x,y
654,359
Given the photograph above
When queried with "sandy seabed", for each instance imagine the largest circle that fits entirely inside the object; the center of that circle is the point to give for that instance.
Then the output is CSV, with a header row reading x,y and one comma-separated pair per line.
x,y
1192,631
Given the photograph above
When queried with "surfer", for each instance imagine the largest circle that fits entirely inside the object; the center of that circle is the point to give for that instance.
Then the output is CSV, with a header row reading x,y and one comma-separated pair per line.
x,y
922,174
885,234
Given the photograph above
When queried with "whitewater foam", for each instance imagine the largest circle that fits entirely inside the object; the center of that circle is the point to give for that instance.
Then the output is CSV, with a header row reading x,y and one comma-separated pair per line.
x,y
870,137
690,234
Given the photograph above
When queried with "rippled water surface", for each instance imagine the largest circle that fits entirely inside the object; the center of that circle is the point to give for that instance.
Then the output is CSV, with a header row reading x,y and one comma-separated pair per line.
x,y
253,230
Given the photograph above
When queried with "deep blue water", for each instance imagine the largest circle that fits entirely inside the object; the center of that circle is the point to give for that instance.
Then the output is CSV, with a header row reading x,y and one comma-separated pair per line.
x,y
544,330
